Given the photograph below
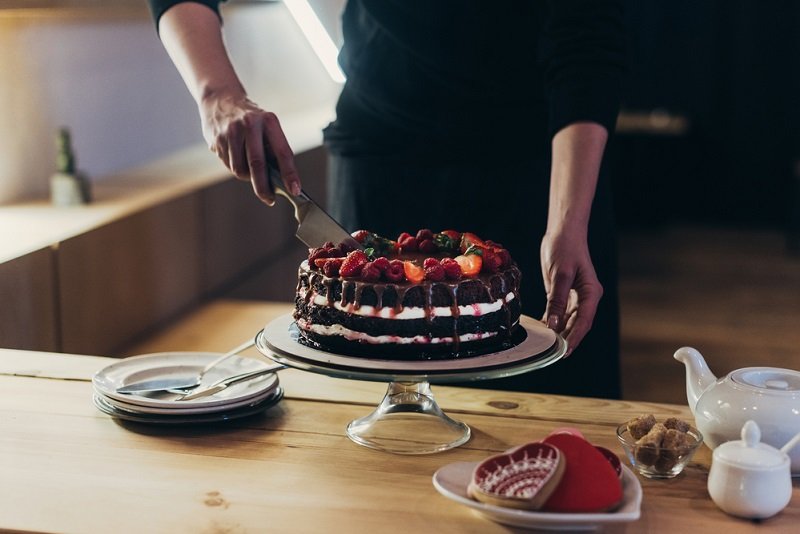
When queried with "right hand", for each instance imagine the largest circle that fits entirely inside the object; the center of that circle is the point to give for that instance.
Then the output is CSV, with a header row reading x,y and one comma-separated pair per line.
x,y
573,290
247,139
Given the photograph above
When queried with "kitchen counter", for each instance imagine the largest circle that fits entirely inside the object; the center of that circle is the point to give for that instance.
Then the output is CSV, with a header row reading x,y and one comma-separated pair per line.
x,y
29,226
69,468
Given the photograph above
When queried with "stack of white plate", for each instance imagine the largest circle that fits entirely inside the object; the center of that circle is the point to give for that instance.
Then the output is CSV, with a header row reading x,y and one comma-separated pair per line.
x,y
238,400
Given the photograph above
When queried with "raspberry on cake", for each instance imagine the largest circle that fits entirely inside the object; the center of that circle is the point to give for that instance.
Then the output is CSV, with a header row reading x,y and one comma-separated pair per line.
x,y
422,296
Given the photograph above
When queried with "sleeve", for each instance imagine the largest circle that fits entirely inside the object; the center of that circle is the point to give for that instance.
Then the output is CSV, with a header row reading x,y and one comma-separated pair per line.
x,y
159,7
584,60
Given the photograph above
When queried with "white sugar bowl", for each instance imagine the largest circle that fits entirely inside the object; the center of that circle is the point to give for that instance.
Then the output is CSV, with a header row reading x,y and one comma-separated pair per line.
x,y
750,479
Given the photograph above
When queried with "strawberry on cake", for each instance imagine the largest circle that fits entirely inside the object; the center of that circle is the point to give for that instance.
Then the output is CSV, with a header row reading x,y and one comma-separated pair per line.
x,y
425,296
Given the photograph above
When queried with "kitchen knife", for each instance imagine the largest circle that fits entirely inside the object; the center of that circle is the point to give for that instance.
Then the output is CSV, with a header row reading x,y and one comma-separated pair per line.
x,y
315,227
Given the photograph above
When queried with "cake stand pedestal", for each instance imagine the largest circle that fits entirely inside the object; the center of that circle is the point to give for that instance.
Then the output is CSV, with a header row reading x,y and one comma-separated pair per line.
x,y
408,420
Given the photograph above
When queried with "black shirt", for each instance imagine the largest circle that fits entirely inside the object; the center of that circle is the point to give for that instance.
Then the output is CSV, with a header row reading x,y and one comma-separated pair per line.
x,y
459,76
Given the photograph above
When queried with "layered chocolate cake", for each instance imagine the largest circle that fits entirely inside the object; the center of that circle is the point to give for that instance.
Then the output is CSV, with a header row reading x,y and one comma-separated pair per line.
x,y
426,296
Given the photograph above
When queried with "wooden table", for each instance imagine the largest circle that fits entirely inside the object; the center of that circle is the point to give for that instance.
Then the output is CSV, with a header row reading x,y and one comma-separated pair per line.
x,y
66,467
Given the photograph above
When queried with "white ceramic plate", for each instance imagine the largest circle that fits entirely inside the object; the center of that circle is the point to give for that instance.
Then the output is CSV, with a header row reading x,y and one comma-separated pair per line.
x,y
541,347
190,419
181,408
176,365
452,481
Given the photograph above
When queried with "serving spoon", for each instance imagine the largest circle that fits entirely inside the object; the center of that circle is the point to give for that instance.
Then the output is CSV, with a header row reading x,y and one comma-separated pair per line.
x,y
183,383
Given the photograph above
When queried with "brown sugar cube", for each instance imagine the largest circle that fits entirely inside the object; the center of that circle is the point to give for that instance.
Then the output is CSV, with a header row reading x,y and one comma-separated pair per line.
x,y
648,446
640,426
674,445
664,463
677,424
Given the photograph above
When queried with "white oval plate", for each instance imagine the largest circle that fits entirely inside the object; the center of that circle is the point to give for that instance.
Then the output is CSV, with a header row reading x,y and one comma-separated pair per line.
x,y
181,408
452,481
175,365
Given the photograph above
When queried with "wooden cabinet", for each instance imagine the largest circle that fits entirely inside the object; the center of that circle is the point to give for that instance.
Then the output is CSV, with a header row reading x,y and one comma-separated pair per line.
x,y
121,279
28,302
174,237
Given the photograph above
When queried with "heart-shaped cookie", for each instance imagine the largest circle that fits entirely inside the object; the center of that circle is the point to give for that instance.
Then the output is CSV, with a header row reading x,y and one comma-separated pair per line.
x,y
589,484
523,477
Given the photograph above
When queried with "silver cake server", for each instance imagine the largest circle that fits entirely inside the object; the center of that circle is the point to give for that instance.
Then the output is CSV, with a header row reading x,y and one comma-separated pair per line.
x,y
315,226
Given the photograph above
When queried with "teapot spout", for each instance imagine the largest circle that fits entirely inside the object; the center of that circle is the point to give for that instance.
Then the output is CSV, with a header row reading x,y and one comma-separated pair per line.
x,y
698,376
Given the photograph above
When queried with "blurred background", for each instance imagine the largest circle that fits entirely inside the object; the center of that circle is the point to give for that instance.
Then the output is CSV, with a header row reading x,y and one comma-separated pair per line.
x,y
705,164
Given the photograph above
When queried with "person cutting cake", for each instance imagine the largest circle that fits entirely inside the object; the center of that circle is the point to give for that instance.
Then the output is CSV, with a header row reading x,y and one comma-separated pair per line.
x,y
488,117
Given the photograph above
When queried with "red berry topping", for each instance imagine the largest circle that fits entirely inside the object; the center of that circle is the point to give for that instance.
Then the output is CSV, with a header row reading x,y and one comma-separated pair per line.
x,y
345,248
424,234
328,244
315,254
427,246
370,273
381,263
414,273
395,272
430,262
360,235
408,244
452,234
353,264
331,267
404,235
468,239
505,257
435,273
470,264
491,261
452,269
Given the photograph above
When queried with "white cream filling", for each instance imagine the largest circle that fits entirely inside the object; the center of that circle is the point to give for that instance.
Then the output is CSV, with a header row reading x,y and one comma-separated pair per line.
x,y
416,312
352,335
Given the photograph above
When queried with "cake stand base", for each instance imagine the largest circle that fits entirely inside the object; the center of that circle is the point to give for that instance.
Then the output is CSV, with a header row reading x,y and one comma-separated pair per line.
x,y
408,421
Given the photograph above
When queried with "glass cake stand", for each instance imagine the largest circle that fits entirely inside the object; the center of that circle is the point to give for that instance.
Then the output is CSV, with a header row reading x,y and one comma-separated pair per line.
x,y
408,420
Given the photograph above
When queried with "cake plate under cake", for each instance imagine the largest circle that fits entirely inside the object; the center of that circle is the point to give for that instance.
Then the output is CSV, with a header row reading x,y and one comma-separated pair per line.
x,y
408,420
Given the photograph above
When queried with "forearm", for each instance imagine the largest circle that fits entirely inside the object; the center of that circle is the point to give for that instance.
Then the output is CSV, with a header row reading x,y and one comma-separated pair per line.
x,y
192,36
577,151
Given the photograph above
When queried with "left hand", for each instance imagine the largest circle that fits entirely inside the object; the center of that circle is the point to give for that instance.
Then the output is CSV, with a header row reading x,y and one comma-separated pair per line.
x,y
573,290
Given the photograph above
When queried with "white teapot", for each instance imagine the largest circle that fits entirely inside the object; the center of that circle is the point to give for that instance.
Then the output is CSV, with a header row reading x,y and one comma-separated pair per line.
x,y
767,395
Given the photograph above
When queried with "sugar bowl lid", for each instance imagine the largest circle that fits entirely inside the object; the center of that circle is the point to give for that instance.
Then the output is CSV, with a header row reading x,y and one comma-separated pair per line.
x,y
749,452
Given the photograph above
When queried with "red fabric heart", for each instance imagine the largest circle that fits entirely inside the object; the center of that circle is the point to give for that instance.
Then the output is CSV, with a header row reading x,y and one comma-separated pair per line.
x,y
523,477
612,458
589,484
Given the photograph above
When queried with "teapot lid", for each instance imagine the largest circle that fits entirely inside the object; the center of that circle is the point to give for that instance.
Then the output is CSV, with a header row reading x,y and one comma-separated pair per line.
x,y
768,379
750,453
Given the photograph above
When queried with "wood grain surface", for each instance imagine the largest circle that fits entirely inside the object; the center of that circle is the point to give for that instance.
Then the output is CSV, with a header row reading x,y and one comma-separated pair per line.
x,y
69,468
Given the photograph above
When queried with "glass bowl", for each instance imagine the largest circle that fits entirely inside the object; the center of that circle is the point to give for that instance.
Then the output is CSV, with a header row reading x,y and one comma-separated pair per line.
x,y
657,462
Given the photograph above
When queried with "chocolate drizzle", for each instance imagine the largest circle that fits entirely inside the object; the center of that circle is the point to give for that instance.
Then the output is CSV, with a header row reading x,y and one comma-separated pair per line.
x,y
351,294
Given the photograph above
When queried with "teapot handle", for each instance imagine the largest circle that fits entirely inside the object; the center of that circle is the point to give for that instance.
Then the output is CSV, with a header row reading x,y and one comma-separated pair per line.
x,y
791,444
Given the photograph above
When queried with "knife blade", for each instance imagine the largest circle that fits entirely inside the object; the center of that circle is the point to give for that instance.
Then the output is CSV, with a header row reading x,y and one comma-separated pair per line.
x,y
159,384
222,384
314,225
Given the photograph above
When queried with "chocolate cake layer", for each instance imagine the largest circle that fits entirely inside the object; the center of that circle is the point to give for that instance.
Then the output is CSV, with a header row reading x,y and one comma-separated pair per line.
x,y
340,345
427,320
432,327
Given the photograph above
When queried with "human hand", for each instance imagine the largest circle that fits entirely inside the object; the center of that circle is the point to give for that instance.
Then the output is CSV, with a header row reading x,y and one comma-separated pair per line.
x,y
247,139
573,290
